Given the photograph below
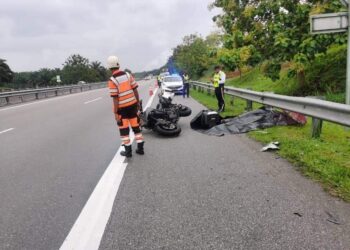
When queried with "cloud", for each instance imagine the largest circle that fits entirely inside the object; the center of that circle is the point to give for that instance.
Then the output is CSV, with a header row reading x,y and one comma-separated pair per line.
x,y
36,34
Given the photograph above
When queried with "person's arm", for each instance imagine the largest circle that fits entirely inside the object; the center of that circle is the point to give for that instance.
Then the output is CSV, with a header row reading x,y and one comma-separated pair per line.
x,y
222,77
115,109
114,94
134,86
136,93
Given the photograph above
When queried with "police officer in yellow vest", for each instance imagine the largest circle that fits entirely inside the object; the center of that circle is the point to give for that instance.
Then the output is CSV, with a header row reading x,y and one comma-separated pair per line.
x,y
186,85
159,80
218,81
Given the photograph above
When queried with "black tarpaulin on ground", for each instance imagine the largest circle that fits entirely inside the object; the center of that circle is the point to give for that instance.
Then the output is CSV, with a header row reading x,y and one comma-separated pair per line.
x,y
257,119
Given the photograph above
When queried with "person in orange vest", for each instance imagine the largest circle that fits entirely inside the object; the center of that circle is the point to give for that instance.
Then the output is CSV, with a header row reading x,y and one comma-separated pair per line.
x,y
126,106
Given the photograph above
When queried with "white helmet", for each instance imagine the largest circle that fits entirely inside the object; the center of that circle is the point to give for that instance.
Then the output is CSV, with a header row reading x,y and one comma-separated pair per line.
x,y
112,62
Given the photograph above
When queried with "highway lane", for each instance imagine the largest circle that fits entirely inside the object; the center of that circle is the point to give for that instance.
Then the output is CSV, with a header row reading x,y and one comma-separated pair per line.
x,y
203,192
52,154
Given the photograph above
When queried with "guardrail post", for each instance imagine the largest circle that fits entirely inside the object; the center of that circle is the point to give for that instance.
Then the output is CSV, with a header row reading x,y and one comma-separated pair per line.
x,y
316,123
194,86
316,127
232,100
208,91
249,105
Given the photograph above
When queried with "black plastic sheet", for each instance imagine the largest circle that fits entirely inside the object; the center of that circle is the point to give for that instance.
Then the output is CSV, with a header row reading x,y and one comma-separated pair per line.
x,y
254,120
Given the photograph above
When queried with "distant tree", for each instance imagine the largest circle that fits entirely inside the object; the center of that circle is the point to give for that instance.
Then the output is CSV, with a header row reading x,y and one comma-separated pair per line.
x,y
76,60
6,74
77,68
192,56
102,71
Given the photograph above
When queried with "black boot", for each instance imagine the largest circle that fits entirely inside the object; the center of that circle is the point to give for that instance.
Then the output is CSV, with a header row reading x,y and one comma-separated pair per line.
x,y
128,152
222,109
140,149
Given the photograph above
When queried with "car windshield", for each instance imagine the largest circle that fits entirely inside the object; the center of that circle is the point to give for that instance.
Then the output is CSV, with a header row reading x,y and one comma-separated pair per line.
x,y
164,74
173,79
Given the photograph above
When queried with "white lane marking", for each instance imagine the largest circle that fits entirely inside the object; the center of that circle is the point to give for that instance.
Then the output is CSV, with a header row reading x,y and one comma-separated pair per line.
x,y
50,99
6,130
89,228
94,100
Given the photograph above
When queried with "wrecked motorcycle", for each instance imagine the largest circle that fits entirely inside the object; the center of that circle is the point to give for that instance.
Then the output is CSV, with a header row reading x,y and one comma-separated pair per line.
x,y
164,122
165,103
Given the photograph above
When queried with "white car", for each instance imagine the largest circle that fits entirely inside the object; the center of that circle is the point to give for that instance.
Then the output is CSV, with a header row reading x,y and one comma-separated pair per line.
x,y
173,84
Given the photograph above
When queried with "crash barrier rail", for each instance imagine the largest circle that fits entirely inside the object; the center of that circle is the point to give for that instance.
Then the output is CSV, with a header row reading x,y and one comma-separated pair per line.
x,y
15,97
310,106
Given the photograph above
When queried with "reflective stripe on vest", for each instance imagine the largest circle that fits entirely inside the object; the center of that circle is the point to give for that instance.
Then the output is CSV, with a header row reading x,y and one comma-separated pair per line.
x,y
216,80
127,100
126,96
126,93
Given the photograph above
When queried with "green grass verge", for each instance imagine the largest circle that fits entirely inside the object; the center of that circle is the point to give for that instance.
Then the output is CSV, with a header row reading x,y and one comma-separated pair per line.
x,y
255,80
326,160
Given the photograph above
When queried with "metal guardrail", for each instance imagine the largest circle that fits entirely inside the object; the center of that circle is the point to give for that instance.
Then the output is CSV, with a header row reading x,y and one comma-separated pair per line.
x,y
324,110
14,97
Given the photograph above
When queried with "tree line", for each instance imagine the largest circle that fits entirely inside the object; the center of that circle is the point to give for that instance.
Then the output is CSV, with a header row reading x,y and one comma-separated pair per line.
x,y
76,68
274,36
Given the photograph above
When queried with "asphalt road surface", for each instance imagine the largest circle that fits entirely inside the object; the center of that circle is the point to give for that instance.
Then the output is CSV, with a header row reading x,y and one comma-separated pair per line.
x,y
50,162
202,192
189,192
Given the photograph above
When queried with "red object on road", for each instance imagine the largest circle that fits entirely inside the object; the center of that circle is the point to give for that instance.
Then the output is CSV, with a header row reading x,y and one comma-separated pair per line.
x,y
150,91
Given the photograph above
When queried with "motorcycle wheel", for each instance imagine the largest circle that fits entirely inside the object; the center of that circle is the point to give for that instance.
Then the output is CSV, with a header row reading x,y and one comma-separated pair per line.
x,y
184,111
167,129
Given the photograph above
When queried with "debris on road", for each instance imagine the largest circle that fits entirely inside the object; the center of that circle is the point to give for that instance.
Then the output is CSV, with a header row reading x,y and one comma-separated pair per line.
x,y
250,121
271,146
261,132
298,214
331,218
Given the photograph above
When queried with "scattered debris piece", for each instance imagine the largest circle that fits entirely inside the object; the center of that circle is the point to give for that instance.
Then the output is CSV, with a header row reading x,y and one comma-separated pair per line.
x,y
332,218
298,214
261,132
271,146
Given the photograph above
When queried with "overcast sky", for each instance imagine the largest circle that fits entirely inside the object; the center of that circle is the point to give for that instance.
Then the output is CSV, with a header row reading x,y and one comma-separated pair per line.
x,y
35,33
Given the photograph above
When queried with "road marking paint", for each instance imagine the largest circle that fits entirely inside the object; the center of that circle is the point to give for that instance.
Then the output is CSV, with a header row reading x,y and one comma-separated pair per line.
x,y
6,130
88,229
49,99
94,100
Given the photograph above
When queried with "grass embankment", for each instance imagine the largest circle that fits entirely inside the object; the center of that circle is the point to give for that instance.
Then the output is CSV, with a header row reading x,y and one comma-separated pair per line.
x,y
326,160
256,81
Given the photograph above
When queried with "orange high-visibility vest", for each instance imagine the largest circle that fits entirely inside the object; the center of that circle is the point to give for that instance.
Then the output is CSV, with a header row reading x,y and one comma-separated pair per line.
x,y
122,86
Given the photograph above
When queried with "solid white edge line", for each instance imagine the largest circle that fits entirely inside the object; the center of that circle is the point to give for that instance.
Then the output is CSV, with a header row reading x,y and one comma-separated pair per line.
x,y
88,229
50,99
6,130
94,100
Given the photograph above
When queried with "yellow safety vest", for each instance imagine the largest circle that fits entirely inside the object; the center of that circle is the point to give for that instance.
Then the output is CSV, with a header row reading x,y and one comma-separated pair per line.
x,y
186,78
216,80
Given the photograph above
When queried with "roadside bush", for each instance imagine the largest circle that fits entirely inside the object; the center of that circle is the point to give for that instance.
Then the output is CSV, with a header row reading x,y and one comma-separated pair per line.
x,y
327,73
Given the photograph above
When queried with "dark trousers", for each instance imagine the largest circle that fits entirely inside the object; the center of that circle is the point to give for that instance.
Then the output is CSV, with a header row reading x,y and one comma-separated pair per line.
x,y
219,93
186,90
